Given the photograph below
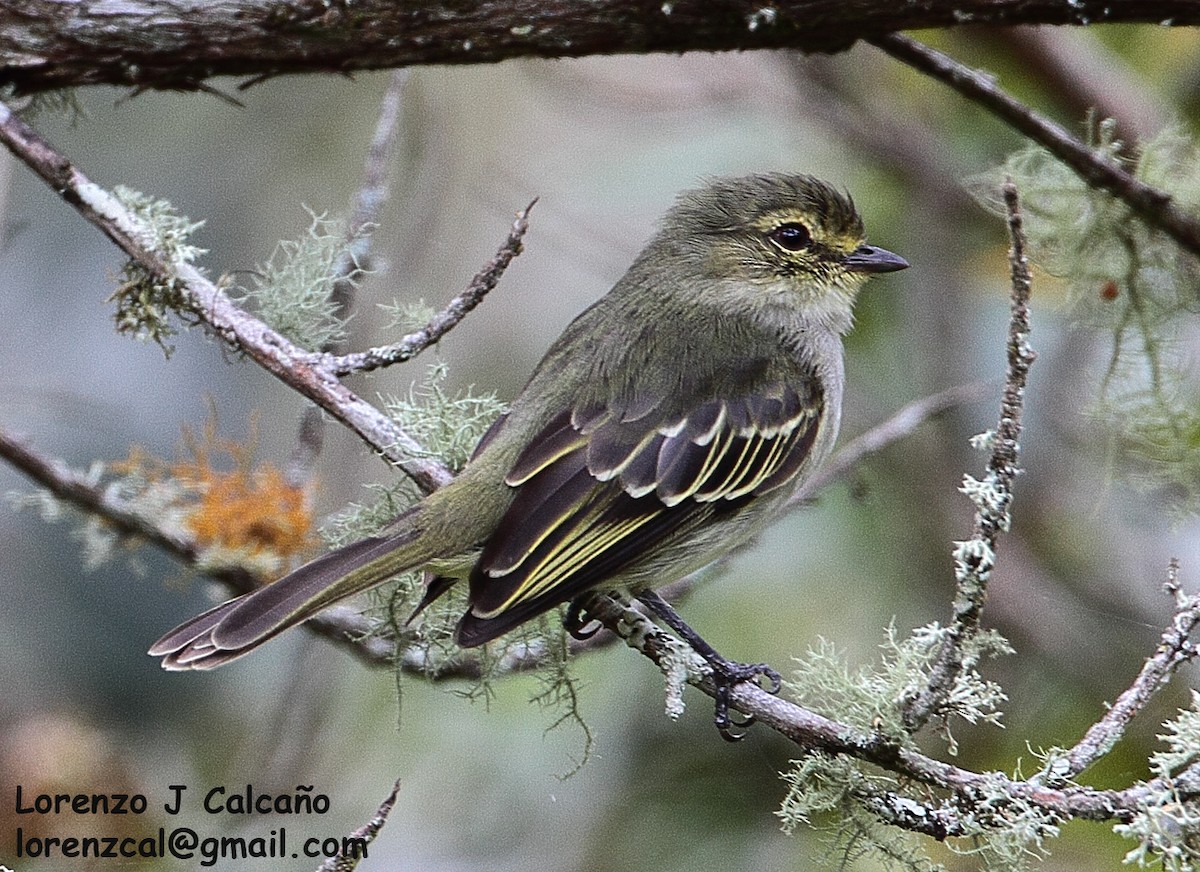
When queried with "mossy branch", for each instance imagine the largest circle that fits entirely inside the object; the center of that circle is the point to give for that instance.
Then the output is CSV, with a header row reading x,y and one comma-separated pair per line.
x,y
974,558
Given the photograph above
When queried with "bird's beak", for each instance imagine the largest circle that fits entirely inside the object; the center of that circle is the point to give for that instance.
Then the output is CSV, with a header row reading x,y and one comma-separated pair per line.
x,y
872,259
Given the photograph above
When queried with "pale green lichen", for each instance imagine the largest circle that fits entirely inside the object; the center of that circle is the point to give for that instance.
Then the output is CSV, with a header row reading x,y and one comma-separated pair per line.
x,y
145,300
292,291
1167,826
449,424
872,697
1132,280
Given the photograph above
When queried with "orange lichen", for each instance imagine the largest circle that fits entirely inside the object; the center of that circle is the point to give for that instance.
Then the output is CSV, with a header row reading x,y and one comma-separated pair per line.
x,y
253,510
230,502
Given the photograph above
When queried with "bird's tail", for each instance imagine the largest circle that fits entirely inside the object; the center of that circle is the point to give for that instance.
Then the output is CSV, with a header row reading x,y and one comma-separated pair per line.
x,y
237,627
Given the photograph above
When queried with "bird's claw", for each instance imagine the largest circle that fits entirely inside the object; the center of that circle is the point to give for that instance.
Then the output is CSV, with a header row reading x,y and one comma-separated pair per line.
x,y
727,674
575,622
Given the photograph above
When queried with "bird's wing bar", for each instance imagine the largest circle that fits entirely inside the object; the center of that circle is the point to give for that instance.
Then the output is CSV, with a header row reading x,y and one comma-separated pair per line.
x,y
592,503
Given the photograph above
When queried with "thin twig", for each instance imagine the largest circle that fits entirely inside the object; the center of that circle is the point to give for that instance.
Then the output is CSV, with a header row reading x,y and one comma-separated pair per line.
x,y
1150,204
457,309
354,260
1174,649
358,840
975,558
899,426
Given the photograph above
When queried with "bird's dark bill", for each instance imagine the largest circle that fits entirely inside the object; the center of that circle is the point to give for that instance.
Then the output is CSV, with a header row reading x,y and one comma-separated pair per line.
x,y
872,259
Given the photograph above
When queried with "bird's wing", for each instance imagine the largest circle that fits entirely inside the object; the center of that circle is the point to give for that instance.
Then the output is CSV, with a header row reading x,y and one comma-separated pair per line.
x,y
604,485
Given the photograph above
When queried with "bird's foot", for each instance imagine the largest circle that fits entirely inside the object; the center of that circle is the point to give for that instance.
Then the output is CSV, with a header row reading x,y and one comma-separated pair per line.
x,y
726,674
576,621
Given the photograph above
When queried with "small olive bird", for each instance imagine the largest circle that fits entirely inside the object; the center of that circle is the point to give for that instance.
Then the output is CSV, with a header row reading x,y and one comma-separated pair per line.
x,y
663,429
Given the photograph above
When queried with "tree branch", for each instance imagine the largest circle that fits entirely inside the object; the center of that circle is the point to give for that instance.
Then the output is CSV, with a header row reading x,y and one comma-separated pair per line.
x,y
1150,204
1174,649
299,369
811,732
900,425
351,854
444,321
974,559
47,44
342,625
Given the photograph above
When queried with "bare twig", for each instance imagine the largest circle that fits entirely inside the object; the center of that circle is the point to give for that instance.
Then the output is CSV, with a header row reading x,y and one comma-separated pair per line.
x,y
299,369
899,426
355,259
1150,204
1174,649
355,847
1077,66
975,558
457,309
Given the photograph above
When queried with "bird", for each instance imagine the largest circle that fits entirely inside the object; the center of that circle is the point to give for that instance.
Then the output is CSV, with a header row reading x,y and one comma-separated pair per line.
x,y
671,420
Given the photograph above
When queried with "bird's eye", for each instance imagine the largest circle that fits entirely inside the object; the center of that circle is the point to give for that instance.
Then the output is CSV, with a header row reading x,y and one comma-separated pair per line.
x,y
790,237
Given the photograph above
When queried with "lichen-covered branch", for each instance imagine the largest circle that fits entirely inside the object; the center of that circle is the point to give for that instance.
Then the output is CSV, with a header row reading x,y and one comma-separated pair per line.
x,y
974,558
811,731
299,369
354,848
47,44
1174,649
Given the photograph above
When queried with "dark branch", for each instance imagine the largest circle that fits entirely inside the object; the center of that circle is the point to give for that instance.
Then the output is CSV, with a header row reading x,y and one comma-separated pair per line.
x,y
47,44
1174,649
1151,205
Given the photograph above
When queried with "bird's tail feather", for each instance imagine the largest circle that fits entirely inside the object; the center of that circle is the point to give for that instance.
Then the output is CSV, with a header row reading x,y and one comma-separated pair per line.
x,y
235,628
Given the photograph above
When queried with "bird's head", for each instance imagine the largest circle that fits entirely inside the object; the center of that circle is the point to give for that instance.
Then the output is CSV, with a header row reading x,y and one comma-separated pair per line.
x,y
778,240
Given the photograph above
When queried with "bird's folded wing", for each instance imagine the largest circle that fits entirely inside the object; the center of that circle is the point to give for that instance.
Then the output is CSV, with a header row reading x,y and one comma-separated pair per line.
x,y
601,487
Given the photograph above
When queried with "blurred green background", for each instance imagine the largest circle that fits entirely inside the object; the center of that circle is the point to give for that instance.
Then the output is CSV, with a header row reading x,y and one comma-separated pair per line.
x,y
605,144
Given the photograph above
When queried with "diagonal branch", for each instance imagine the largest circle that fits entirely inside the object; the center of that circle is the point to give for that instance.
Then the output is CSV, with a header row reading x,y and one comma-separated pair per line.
x,y
811,731
299,369
444,321
900,425
1150,204
1174,649
341,625
354,848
